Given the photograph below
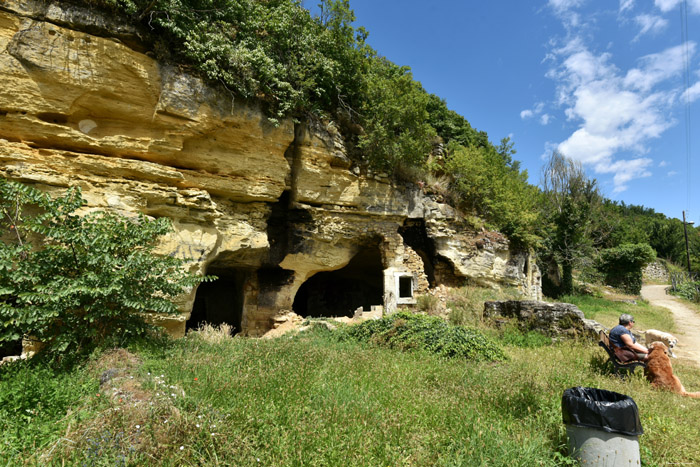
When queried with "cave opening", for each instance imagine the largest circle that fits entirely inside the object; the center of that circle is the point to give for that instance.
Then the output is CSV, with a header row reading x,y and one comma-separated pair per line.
x,y
339,293
220,301
415,235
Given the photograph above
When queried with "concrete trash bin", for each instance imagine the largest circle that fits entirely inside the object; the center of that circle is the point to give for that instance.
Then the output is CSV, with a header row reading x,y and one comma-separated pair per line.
x,y
602,427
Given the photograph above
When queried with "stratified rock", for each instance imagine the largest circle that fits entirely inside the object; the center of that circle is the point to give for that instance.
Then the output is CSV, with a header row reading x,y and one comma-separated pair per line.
x,y
278,211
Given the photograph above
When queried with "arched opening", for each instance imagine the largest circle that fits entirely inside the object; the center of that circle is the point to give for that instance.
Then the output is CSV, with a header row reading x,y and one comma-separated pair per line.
x,y
220,301
415,235
341,292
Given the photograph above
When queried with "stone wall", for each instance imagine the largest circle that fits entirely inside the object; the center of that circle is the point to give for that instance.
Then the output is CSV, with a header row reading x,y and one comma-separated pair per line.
x,y
265,207
656,271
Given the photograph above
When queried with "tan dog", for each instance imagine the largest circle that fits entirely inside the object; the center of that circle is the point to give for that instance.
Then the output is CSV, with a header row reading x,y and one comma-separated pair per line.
x,y
653,335
660,373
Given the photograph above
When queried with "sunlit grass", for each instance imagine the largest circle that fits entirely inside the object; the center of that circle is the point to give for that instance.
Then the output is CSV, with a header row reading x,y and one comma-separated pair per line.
x,y
310,400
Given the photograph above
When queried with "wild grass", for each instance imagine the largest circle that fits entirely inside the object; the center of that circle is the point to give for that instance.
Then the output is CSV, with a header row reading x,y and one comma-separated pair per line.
x,y
310,399
607,312
466,304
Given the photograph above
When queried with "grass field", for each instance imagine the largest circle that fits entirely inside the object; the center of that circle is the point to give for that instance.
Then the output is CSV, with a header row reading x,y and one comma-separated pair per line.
x,y
309,399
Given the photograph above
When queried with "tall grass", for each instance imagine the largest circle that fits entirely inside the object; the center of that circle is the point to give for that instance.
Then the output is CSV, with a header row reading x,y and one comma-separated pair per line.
x,y
607,312
312,400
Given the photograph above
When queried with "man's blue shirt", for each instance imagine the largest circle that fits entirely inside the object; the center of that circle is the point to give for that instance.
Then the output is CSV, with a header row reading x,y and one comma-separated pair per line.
x,y
616,335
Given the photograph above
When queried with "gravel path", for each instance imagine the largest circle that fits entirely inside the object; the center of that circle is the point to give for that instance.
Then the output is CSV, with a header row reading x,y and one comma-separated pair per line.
x,y
687,322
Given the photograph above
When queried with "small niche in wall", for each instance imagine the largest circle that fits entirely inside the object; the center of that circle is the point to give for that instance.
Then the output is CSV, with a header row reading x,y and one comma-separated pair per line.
x,y
404,288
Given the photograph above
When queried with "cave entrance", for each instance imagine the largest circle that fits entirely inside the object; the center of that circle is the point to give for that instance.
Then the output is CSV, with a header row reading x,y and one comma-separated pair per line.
x,y
341,292
415,235
220,301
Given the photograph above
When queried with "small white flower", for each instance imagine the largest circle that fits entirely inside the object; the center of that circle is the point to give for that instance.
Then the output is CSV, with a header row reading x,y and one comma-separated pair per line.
x,y
199,416
165,421
138,427
197,425
213,426
182,448
172,394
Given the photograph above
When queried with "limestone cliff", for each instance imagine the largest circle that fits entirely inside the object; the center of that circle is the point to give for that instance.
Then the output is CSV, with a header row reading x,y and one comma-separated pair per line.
x,y
279,213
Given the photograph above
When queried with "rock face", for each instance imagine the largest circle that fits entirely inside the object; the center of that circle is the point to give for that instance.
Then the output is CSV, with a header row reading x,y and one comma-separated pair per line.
x,y
552,319
279,213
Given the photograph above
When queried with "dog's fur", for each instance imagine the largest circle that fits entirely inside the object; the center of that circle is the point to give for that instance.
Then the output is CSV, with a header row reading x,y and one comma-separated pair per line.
x,y
660,373
653,335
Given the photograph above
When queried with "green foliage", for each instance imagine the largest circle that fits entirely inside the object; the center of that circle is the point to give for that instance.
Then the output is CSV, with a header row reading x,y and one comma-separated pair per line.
x,y
34,399
487,184
396,129
571,203
687,289
79,281
622,266
621,223
412,331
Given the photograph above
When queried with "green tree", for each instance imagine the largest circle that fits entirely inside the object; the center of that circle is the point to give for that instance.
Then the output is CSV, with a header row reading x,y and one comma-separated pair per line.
x,y
395,118
622,265
79,281
571,204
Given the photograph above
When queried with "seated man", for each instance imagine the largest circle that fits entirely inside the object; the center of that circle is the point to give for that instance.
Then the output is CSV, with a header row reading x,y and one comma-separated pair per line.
x,y
624,344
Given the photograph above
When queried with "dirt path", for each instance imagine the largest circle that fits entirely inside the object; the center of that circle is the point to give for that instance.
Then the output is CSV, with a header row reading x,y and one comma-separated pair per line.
x,y
687,322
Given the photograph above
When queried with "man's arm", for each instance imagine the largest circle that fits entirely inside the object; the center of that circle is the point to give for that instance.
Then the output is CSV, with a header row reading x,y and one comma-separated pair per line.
x,y
627,340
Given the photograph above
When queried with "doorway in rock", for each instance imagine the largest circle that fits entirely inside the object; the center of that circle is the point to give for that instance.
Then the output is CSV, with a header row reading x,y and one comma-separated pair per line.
x,y
220,301
415,235
341,292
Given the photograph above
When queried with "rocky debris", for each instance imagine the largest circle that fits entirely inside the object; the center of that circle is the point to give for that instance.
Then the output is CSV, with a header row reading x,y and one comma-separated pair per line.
x,y
551,319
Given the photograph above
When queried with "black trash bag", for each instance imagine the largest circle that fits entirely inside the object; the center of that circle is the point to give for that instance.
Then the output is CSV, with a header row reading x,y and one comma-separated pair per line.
x,y
600,409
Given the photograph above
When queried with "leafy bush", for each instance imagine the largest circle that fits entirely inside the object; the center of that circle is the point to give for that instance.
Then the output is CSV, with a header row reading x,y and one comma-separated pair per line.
x,y
79,281
411,331
622,265
690,290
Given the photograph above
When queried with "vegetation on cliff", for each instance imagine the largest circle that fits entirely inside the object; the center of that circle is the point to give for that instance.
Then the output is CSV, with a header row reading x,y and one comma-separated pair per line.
x,y
306,66
75,282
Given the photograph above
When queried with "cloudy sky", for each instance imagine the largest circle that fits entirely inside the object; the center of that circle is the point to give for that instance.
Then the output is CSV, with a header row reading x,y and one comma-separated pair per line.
x,y
612,83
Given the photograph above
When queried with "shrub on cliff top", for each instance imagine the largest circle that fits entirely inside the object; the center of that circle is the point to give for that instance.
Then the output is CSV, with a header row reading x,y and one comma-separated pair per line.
x,y
411,331
75,282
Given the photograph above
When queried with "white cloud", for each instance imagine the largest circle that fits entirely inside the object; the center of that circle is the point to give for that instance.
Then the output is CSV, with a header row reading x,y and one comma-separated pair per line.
x,y
656,68
671,173
668,5
650,24
625,171
529,113
545,119
615,111
564,9
663,164
562,5
626,5
693,92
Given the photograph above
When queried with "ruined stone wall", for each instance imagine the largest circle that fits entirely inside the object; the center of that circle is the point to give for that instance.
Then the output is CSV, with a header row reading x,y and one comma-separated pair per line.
x,y
265,206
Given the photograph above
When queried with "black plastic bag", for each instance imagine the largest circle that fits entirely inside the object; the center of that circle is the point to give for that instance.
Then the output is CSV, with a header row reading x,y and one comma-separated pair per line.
x,y
600,409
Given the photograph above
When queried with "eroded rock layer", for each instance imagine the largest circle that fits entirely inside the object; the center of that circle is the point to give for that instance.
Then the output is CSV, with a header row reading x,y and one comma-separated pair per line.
x,y
278,212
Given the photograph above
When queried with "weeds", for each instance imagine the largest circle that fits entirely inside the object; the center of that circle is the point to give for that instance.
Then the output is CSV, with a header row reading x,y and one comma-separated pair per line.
x,y
314,400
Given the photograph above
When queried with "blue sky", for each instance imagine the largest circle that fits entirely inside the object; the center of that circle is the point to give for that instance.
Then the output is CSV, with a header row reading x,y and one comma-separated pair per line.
x,y
603,81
